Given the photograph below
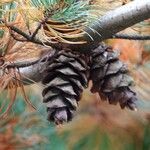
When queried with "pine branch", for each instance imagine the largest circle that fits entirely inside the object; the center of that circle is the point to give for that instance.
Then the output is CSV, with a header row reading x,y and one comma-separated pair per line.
x,y
114,22
29,38
22,64
106,26
118,20
31,73
131,37
33,70
33,39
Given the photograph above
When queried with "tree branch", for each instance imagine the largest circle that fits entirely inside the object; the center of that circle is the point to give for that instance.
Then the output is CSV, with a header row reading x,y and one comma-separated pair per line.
x,y
105,27
131,37
22,64
115,21
119,19
33,39
32,73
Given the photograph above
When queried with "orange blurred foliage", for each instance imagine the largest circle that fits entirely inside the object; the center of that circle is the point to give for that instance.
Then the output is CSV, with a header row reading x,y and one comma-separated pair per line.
x,y
131,51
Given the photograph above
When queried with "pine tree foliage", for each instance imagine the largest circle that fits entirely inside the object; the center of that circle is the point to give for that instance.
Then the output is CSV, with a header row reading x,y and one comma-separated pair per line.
x,y
68,73
59,20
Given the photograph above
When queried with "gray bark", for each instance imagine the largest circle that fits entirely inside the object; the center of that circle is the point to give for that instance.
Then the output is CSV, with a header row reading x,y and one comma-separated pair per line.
x,y
113,22
119,19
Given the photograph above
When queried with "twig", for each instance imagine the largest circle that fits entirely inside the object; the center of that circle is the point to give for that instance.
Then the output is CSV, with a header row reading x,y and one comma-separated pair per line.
x,y
22,64
16,38
35,40
131,37
36,31
106,26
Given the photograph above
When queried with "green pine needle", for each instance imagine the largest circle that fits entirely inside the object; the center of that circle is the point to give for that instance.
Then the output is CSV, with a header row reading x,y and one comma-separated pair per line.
x,y
7,9
70,11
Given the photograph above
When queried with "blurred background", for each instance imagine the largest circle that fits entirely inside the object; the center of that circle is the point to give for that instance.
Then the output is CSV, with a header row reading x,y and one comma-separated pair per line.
x,y
96,125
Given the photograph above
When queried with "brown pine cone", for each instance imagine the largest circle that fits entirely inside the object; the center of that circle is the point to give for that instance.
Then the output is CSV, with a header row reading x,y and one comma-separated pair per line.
x,y
111,78
65,79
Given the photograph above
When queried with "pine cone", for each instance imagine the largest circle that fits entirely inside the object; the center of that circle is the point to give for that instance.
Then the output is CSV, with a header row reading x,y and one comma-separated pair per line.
x,y
111,78
65,79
